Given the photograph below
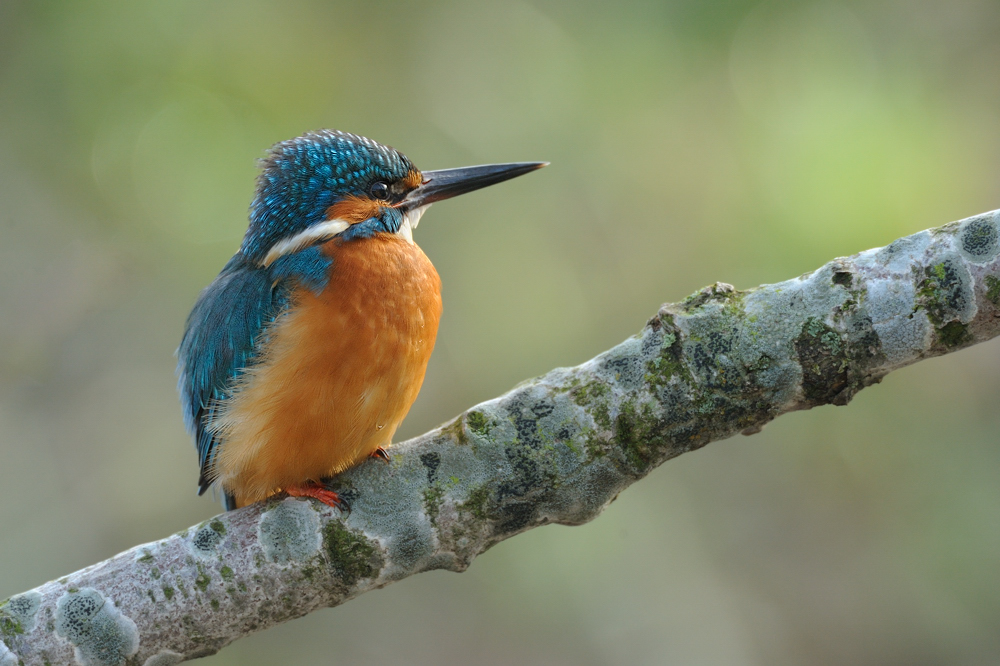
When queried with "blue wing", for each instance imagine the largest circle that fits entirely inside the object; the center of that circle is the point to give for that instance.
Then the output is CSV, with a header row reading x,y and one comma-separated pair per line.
x,y
223,336
219,342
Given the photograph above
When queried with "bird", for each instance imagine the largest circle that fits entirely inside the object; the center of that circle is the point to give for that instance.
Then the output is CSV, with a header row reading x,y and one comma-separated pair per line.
x,y
301,359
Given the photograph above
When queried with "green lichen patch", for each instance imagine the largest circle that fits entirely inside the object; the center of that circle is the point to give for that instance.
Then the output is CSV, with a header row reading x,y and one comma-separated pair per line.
x,y
940,292
17,614
10,626
168,592
734,302
478,502
945,294
218,526
456,430
311,570
668,364
954,333
586,394
202,580
101,634
836,365
594,444
145,557
640,435
993,289
226,573
479,423
821,353
718,292
289,532
433,494
352,555
594,397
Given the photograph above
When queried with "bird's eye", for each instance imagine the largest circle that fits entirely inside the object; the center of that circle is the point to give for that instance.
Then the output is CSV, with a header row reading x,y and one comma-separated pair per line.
x,y
379,190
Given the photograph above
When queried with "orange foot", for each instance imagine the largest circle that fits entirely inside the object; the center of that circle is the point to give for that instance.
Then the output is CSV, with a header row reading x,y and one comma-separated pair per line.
x,y
323,494
380,453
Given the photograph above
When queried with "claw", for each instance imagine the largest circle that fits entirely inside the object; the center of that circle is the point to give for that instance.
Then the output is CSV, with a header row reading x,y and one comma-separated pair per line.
x,y
324,495
380,453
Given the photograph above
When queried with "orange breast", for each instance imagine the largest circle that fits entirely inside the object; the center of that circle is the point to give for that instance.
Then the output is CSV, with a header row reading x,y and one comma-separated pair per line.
x,y
338,372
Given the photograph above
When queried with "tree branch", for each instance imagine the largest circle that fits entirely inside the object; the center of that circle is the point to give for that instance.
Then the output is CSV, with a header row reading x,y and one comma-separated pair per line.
x,y
556,449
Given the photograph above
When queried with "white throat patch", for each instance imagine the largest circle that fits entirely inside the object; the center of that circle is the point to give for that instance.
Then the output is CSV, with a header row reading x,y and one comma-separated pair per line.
x,y
410,221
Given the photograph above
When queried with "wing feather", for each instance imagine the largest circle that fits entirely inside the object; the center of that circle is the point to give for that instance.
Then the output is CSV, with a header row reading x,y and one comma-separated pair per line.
x,y
220,341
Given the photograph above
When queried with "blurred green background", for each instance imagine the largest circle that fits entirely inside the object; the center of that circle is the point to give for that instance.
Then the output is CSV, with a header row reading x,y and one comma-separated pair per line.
x,y
690,142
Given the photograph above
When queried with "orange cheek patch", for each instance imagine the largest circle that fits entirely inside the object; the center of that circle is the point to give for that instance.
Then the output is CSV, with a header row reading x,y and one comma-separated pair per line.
x,y
353,209
413,179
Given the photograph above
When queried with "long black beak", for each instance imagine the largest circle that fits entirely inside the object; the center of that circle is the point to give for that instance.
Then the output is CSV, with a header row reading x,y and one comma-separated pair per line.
x,y
447,183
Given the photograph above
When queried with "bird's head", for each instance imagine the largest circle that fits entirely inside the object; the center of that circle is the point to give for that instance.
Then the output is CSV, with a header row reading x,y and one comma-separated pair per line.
x,y
328,184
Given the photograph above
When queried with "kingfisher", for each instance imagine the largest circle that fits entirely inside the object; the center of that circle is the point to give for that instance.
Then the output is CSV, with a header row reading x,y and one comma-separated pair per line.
x,y
303,356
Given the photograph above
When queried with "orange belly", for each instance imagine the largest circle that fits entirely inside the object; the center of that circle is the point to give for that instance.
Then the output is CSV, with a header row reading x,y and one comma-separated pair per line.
x,y
338,372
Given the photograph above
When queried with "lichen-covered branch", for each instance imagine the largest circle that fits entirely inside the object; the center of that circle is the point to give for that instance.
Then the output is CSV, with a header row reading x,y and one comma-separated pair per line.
x,y
556,449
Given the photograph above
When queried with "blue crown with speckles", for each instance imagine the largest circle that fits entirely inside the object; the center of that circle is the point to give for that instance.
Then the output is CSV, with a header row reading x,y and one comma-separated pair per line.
x,y
302,177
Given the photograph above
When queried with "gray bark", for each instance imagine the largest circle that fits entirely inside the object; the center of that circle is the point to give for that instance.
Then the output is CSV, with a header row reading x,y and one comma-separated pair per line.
x,y
556,449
